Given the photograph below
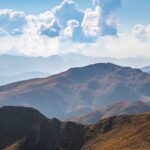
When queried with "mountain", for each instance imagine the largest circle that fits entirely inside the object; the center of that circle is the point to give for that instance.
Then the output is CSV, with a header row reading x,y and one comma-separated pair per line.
x,y
79,90
24,76
27,129
13,65
121,108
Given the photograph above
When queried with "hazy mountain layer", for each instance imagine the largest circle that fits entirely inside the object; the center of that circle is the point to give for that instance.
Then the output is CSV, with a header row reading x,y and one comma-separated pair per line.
x,y
24,76
14,65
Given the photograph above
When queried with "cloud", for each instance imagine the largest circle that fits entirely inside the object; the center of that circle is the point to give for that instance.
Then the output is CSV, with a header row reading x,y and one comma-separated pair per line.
x,y
30,45
141,32
108,6
51,30
91,21
69,30
44,24
108,26
36,24
57,22
67,10
70,18
122,46
64,20
11,22
3,32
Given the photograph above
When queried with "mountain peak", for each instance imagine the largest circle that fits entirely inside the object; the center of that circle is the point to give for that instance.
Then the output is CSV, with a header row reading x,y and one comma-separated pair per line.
x,y
97,66
91,70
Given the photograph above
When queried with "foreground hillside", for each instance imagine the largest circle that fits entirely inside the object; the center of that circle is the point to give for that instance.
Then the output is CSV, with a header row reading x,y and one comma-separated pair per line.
x,y
121,108
27,129
121,133
79,90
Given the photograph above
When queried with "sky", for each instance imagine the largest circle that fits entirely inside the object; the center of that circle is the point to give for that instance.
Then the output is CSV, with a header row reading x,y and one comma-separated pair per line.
x,y
109,28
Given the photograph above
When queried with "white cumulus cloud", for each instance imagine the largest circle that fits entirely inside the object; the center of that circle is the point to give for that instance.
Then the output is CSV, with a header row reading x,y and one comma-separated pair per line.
x,y
67,10
142,32
91,22
69,30
12,22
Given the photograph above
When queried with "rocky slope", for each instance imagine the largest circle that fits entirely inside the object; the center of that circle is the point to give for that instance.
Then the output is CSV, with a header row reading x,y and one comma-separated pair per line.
x,y
27,129
79,90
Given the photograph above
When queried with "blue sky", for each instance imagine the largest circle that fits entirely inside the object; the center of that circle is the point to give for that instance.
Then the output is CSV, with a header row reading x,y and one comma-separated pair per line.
x,y
37,6
134,12
75,25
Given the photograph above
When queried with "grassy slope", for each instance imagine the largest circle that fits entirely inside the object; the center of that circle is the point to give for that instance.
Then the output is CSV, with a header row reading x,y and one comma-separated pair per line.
x,y
133,134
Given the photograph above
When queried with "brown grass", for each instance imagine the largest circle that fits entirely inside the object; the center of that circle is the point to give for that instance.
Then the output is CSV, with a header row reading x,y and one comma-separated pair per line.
x,y
134,135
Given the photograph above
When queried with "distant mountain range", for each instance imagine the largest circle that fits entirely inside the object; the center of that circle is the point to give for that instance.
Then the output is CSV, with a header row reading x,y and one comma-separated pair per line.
x,y
121,108
17,68
79,90
27,129
24,76
14,65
